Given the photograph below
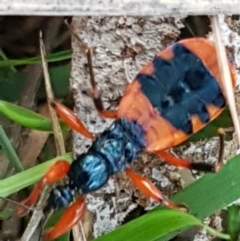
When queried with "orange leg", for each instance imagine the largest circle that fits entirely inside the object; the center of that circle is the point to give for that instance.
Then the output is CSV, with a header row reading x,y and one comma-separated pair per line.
x,y
178,162
95,93
55,173
71,119
150,190
174,160
70,217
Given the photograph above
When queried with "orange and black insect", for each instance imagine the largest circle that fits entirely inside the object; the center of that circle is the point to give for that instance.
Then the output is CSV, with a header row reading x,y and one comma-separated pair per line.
x,y
172,97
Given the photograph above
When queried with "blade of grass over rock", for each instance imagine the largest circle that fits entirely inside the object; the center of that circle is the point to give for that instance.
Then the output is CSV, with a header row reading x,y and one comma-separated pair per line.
x,y
28,177
156,226
204,197
25,117
213,191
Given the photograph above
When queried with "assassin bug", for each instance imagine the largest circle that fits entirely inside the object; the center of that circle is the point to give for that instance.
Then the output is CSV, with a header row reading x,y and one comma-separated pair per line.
x,y
171,98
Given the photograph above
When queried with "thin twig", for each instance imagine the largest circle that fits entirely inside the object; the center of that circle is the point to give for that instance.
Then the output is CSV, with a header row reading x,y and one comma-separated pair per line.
x,y
59,141
225,74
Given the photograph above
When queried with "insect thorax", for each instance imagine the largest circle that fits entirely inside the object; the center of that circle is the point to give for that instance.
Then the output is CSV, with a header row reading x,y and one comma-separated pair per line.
x,y
110,153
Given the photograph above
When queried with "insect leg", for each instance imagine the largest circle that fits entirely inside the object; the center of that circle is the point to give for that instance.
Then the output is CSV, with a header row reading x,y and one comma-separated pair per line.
x,y
221,134
55,173
151,191
178,162
71,119
71,216
95,93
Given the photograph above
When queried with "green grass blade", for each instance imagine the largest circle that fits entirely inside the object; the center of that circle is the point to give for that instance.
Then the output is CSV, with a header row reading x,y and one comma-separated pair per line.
x,y
213,191
25,117
204,197
55,57
9,151
28,177
155,226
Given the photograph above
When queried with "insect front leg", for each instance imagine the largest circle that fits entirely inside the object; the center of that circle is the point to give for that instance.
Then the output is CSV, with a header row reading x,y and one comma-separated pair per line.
x,y
96,95
55,173
72,215
151,191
